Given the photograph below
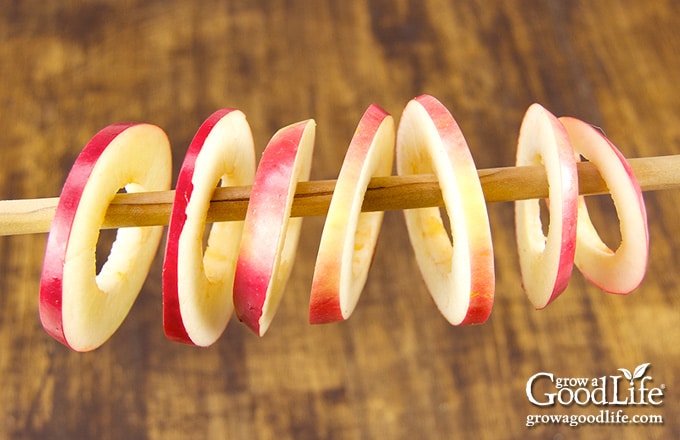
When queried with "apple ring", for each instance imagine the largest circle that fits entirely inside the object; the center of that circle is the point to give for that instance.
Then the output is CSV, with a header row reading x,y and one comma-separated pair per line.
x,y
623,270
459,275
546,263
79,307
349,236
197,285
270,236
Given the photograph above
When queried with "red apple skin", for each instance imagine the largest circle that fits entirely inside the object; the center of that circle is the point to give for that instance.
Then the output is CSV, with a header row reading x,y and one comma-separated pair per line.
x,y
326,309
263,230
324,305
482,290
172,317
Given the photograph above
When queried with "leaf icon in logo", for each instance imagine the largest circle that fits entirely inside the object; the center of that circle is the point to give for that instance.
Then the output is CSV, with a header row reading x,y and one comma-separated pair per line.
x,y
627,374
637,373
640,370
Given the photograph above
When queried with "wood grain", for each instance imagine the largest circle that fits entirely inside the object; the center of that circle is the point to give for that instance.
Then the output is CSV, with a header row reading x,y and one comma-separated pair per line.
x,y
396,369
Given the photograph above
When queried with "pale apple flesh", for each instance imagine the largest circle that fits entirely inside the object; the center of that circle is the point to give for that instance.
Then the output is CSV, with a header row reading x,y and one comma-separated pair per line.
x,y
197,284
349,237
623,270
77,306
459,275
546,263
270,236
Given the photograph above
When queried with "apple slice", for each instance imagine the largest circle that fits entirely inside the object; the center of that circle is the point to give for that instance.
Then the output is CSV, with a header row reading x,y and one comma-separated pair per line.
x,y
79,307
546,263
349,237
619,271
459,275
197,285
270,236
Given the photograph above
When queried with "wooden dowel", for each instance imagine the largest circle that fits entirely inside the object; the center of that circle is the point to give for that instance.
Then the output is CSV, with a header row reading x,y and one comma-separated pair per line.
x,y
313,198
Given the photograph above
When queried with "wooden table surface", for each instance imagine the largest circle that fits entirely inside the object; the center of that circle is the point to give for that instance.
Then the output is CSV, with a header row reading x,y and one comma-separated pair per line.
x,y
396,369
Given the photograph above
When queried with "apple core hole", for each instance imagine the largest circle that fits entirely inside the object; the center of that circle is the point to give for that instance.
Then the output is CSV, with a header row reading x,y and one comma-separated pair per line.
x,y
447,223
206,235
544,215
605,219
207,229
104,244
